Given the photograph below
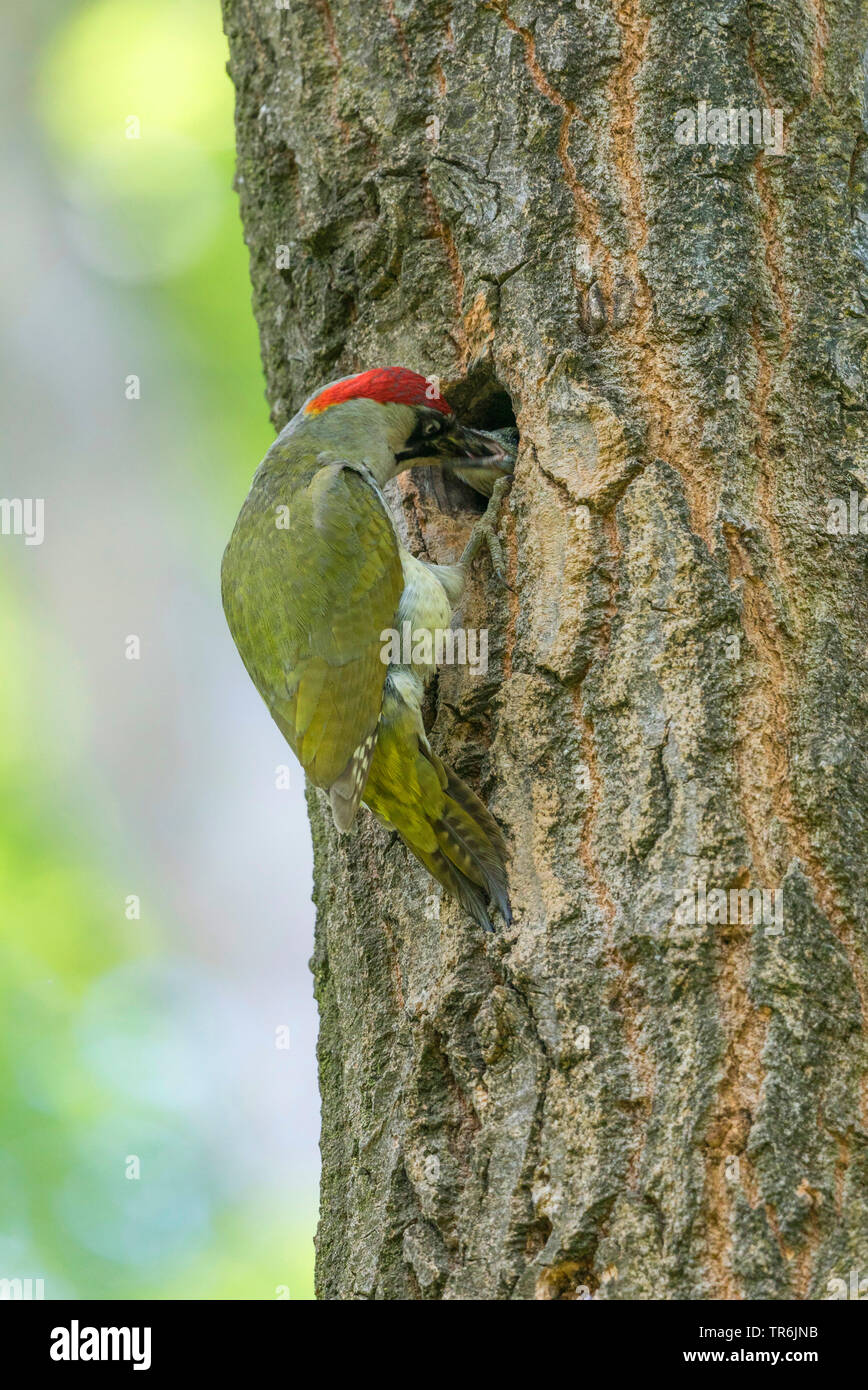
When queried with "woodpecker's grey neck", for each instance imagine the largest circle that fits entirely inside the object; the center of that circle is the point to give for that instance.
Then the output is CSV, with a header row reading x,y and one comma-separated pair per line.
x,y
357,431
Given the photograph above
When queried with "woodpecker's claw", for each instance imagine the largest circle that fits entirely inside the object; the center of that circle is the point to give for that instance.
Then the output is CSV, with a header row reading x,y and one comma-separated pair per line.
x,y
486,530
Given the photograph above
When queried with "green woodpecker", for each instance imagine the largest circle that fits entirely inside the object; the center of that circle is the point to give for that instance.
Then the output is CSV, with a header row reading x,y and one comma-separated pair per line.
x,y
314,576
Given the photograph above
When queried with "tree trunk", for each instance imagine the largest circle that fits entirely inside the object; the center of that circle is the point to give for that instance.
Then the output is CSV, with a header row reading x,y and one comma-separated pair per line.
x,y
637,1090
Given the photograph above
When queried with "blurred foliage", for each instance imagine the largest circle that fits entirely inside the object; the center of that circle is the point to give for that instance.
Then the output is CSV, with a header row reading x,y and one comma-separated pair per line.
x,y
156,213
156,218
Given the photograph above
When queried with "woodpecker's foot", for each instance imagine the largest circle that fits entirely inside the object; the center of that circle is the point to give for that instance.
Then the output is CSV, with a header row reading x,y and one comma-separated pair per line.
x,y
486,530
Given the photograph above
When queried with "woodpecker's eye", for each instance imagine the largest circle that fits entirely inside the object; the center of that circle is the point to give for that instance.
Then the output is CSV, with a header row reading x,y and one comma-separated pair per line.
x,y
425,441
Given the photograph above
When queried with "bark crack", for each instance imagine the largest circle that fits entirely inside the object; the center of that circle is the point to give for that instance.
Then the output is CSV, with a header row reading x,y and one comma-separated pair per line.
x,y
586,213
669,433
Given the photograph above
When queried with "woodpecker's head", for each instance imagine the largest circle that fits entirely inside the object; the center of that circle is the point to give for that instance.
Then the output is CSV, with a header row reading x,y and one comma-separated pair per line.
x,y
398,411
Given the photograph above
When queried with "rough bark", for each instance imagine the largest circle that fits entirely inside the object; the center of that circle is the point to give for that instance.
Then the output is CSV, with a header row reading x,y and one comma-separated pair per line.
x,y
602,1097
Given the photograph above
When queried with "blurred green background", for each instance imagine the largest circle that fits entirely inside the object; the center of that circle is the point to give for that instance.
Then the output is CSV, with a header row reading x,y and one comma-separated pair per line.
x,y
157,1135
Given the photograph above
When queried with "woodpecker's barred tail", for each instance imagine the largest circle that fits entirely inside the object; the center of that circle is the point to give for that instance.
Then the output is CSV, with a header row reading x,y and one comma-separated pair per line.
x,y
437,815
471,859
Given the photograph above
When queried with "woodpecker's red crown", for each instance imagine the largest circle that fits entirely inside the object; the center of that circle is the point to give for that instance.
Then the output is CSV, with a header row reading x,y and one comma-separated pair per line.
x,y
389,385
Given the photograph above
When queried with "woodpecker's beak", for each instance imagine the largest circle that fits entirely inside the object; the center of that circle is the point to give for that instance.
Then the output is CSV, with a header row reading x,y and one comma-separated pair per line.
x,y
469,447
460,447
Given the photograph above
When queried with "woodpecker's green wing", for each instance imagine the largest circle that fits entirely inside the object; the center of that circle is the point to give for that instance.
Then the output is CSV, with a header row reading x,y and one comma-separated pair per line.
x,y
311,577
